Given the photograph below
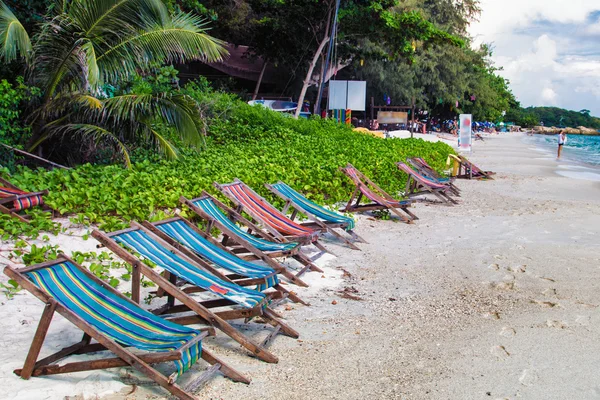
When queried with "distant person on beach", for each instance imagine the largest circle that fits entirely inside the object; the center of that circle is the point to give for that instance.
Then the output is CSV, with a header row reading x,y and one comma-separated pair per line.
x,y
562,140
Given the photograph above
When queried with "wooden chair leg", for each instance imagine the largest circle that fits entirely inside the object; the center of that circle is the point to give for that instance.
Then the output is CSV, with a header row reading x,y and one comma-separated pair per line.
x,y
356,237
399,215
271,317
290,295
38,340
322,248
224,367
304,260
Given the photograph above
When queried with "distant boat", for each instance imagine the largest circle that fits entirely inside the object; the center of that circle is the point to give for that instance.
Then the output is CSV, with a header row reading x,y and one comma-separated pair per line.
x,y
276,105
279,106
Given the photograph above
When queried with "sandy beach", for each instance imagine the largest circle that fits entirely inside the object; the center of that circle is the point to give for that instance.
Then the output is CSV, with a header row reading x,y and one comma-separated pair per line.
x,y
495,298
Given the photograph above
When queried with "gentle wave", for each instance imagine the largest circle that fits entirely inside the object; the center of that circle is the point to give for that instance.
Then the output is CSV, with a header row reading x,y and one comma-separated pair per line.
x,y
579,148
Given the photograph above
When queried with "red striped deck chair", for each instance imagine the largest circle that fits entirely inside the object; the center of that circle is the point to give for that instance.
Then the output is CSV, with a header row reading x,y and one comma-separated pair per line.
x,y
418,185
13,200
426,170
277,223
246,239
135,337
380,200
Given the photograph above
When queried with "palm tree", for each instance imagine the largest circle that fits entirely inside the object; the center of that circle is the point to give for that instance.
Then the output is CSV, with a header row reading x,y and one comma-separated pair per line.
x,y
86,44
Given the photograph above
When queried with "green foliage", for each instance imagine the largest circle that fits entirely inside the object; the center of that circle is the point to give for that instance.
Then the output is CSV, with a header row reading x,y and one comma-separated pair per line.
x,y
85,45
11,289
13,131
254,144
37,255
554,116
11,228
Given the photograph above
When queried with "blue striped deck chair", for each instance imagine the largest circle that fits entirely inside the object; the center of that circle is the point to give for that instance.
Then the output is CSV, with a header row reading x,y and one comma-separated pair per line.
x,y
426,170
245,238
201,248
380,200
318,215
116,323
418,185
137,246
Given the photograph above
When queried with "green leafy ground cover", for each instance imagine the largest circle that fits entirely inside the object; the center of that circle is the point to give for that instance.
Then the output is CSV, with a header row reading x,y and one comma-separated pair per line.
x,y
255,145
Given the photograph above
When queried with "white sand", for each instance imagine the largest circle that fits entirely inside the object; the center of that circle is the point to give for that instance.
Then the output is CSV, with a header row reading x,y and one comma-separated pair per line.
x,y
494,298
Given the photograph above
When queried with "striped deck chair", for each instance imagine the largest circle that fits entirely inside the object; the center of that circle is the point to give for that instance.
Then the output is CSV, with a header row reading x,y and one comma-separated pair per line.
x,y
380,199
418,185
319,217
426,170
13,200
465,169
277,223
116,323
251,243
201,248
246,302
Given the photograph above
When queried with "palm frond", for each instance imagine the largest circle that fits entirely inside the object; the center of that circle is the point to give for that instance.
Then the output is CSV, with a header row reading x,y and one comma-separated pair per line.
x,y
179,40
87,131
164,145
177,110
14,40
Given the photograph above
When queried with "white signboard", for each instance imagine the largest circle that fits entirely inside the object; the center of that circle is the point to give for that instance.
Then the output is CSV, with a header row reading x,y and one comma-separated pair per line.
x,y
464,135
357,95
347,95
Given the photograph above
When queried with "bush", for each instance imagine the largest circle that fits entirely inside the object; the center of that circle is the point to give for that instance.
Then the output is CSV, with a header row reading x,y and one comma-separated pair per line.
x,y
251,143
13,130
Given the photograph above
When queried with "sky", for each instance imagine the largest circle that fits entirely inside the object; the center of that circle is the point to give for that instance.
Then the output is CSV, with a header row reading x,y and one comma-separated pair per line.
x,y
549,49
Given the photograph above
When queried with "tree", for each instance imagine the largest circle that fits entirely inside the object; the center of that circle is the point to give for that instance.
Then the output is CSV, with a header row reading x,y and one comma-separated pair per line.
x,y
86,45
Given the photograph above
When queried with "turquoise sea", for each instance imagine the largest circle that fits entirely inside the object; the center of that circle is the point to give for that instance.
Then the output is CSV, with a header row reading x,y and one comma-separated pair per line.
x,y
579,148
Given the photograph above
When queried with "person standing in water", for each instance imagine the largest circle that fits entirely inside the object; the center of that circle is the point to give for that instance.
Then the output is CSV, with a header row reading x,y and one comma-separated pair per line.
x,y
562,140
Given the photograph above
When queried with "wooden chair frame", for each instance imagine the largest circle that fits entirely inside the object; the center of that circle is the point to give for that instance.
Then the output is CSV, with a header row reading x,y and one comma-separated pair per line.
x,y
306,239
241,247
465,170
198,259
140,362
415,188
314,221
426,170
13,212
167,284
354,205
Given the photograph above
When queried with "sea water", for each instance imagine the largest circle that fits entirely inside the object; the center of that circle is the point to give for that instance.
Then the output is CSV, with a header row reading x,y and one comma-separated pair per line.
x,y
579,148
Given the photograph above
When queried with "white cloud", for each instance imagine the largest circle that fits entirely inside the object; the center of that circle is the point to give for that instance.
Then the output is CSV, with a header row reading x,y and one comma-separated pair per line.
x,y
546,48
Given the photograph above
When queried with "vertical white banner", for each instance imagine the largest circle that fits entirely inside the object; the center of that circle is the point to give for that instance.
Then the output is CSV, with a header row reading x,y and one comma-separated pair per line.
x,y
464,136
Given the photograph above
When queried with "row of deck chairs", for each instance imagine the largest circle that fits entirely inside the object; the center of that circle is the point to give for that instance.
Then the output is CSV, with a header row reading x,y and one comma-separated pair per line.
x,y
206,281
231,285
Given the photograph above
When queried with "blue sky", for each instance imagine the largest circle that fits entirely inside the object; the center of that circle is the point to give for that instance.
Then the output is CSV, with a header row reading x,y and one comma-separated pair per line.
x,y
548,49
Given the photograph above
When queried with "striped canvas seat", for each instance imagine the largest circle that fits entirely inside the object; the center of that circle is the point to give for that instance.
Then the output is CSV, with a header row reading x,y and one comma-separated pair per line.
x,y
313,208
24,200
142,243
209,207
353,174
420,178
185,235
113,316
427,166
265,211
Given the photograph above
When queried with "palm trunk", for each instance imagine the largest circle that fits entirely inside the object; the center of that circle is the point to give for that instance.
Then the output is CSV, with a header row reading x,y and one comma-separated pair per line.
x,y
311,68
260,78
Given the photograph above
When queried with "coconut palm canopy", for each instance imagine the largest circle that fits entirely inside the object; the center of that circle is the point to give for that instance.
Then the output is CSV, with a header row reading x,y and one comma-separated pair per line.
x,y
86,44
